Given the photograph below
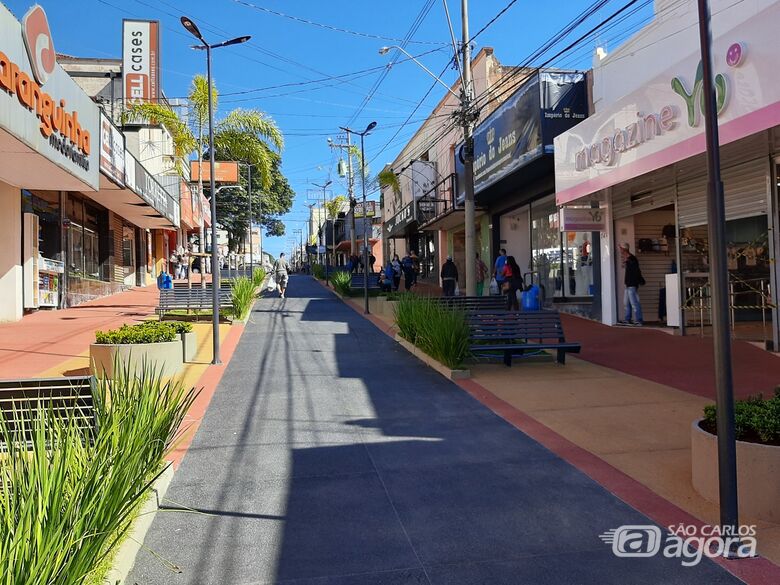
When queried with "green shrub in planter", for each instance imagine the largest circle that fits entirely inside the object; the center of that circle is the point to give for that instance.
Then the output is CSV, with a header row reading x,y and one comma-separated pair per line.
x,y
341,281
318,271
146,332
258,276
67,496
756,420
179,326
439,331
243,293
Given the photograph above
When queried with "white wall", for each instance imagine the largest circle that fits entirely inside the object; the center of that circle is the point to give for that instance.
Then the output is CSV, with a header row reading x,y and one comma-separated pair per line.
x,y
10,253
516,237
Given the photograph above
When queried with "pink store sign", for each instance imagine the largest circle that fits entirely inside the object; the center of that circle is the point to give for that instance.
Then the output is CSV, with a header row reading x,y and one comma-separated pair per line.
x,y
662,123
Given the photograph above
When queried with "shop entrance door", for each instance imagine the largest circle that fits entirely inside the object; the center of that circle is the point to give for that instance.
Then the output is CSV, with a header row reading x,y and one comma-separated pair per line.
x,y
129,260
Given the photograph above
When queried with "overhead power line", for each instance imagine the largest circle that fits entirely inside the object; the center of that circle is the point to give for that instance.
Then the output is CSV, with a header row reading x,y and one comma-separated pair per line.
x,y
331,27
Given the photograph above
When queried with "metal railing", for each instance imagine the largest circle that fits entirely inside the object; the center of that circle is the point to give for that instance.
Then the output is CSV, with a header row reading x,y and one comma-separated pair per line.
x,y
744,294
437,201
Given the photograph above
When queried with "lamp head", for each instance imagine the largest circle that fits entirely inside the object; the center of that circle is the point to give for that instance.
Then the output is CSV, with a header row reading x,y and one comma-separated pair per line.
x,y
369,128
192,28
384,50
236,41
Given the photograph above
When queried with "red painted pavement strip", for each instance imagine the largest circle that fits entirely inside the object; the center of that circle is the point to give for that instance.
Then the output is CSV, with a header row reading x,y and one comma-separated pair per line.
x,y
758,571
208,383
685,363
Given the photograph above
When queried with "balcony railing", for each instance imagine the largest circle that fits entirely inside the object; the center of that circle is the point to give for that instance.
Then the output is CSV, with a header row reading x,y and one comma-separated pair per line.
x,y
437,201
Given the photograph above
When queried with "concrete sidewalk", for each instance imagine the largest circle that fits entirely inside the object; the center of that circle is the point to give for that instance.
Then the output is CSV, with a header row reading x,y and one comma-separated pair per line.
x,y
331,456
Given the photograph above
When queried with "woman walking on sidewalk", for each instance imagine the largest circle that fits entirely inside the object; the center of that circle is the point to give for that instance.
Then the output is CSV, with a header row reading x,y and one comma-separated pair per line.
x,y
513,281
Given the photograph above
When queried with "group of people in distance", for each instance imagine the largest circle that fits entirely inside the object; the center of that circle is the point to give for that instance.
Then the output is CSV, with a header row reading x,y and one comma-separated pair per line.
x,y
408,267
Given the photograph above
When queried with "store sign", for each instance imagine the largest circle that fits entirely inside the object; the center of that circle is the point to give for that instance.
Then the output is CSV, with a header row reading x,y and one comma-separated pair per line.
x,y
112,151
523,128
644,128
141,60
661,123
140,181
400,220
224,172
370,208
582,219
423,176
39,103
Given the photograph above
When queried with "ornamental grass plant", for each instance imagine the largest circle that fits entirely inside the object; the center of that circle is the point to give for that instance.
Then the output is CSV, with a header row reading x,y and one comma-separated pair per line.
x,y
341,282
440,331
243,294
258,276
67,495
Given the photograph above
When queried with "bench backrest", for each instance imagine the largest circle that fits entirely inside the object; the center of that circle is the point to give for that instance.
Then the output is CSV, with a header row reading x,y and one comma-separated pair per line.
x,y
23,401
193,297
516,325
357,280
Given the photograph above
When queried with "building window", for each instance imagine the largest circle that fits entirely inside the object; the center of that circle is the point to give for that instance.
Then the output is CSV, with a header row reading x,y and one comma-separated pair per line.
x,y
84,240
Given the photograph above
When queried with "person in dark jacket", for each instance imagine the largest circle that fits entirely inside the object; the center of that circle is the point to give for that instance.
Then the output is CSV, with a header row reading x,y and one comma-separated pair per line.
x,y
513,281
449,278
407,266
633,280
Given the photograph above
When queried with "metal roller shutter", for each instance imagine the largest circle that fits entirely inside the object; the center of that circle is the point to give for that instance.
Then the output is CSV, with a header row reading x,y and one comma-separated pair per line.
x,y
746,187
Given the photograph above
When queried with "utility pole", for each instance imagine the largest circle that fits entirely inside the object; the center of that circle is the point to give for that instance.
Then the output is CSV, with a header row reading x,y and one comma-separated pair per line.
x,y
350,188
468,157
719,284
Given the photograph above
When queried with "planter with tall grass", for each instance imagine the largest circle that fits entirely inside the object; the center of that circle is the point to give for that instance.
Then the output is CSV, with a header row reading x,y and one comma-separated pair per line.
x,y
67,496
341,281
149,344
258,277
439,331
243,294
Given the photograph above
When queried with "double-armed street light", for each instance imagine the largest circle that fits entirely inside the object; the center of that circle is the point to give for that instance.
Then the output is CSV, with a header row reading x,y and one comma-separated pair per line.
x,y
362,135
192,28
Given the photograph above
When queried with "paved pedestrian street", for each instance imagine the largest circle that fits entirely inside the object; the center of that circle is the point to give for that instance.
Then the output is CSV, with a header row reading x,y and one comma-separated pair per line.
x,y
331,456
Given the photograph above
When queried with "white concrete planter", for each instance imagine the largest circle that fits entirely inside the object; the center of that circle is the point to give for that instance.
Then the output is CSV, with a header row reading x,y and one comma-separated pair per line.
x,y
758,470
189,345
165,357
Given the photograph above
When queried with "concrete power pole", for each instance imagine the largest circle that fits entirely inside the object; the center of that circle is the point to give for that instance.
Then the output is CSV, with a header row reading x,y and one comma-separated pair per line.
x,y
350,188
468,157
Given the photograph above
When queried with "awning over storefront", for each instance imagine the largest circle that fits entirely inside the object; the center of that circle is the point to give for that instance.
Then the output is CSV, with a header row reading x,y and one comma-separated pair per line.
x,y
346,245
450,219
142,200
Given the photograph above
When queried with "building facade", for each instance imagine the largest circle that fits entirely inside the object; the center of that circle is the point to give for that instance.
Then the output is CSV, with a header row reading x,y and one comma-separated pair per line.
x,y
640,161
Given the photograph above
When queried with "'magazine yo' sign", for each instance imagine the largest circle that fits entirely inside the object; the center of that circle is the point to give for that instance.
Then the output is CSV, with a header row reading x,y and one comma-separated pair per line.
x,y
40,105
141,60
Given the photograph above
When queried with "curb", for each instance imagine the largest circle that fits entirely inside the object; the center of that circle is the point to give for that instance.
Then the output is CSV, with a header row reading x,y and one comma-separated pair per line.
x,y
448,373
128,550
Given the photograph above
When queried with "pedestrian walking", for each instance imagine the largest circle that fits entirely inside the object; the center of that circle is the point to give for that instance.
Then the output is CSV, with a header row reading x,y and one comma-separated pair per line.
x,y
498,269
397,271
513,281
481,272
387,277
633,279
371,262
281,274
449,278
407,266
415,267
173,265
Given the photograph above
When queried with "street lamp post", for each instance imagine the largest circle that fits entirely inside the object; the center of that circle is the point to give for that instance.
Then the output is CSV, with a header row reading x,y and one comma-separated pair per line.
x,y
188,24
362,135
324,227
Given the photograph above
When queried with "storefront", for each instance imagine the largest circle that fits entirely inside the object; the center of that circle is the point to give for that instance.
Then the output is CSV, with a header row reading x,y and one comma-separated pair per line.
x,y
641,160
49,136
514,187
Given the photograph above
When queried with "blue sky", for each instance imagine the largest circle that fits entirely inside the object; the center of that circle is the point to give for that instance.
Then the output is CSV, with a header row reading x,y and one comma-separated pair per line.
x,y
285,51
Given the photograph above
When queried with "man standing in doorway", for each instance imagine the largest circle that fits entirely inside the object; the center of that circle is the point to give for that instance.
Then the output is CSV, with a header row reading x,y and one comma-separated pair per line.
x,y
498,270
449,278
633,280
